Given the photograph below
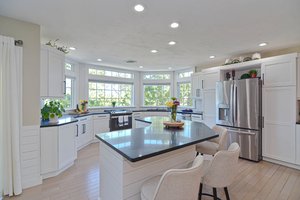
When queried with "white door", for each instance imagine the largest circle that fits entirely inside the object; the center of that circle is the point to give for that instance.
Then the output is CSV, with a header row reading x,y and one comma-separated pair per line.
x,y
209,107
279,111
279,72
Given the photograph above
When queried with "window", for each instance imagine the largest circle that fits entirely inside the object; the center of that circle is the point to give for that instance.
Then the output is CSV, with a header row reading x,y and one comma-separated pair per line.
x,y
185,74
156,95
184,93
68,101
104,93
157,76
102,72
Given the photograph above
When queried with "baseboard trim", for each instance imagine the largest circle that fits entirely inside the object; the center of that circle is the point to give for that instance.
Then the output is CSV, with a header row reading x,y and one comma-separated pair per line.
x,y
55,173
282,163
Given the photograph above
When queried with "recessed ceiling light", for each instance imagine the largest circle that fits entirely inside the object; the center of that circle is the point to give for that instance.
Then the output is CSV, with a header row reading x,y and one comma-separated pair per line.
x,y
141,67
72,48
212,57
174,25
169,67
99,59
139,8
154,51
172,43
263,44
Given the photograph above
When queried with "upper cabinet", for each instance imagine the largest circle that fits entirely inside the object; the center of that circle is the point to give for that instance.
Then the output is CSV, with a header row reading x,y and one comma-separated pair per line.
x,y
52,72
209,79
197,85
279,71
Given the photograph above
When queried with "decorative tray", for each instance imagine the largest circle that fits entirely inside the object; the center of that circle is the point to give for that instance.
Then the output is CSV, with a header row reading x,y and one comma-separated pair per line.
x,y
169,124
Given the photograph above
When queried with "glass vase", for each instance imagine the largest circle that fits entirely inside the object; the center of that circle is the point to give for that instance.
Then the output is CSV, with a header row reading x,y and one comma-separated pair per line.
x,y
173,113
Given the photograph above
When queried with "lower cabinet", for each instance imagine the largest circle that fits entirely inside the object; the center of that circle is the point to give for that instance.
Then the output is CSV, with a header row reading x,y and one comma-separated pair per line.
x,y
298,144
101,125
85,132
58,150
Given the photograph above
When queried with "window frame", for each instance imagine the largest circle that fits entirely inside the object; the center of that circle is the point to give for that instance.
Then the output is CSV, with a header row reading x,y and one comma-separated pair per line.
x,y
106,82
155,82
178,81
118,80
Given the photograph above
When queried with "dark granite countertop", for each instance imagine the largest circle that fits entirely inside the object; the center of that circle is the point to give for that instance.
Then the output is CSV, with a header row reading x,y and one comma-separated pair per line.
x,y
66,119
141,143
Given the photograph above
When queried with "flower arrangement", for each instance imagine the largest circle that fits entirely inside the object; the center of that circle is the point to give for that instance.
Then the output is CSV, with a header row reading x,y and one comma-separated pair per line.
x,y
83,105
173,105
60,48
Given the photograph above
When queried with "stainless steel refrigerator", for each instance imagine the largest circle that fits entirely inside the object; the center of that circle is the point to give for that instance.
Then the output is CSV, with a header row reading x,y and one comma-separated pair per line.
x,y
238,107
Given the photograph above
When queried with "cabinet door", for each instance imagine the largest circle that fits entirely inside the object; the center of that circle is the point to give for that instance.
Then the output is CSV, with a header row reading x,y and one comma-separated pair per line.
x,y
196,86
279,72
101,124
209,107
66,147
298,144
49,149
44,73
279,111
56,74
209,80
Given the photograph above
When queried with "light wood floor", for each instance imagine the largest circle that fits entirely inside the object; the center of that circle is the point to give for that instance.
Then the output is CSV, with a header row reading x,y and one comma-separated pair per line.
x,y
254,181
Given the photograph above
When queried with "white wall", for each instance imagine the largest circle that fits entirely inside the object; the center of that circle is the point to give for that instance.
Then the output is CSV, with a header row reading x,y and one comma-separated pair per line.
x,y
30,34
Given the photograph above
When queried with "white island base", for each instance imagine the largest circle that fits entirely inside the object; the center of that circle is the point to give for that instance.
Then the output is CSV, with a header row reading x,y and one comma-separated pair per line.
x,y
122,179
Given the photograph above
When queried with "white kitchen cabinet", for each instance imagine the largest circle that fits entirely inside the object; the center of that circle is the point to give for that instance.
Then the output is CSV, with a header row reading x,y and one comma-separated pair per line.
x,y
279,72
57,149
298,144
210,79
136,115
197,118
101,124
279,111
52,72
298,78
197,85
85,131
209,107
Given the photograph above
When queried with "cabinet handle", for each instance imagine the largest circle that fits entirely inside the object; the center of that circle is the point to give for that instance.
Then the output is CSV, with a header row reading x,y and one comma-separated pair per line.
x,y
263,122
202,84
83,128
65,87
76,130
263,78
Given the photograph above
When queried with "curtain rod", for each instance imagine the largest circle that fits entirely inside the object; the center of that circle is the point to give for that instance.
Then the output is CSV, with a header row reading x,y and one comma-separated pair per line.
x,y
19,43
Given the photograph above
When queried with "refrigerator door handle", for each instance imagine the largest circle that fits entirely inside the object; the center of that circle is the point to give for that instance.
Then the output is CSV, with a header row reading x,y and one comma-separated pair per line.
x,y
242,132
235,104
232,103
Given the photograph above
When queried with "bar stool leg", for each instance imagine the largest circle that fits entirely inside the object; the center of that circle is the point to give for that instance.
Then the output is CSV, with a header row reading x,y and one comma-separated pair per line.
x,y
200,191
226,193
215,194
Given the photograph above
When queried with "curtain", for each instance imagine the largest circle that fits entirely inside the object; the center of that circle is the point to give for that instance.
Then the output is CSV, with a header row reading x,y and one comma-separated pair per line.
x,y
10,113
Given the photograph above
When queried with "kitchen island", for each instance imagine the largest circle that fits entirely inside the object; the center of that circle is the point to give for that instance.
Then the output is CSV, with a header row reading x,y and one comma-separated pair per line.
x,y
129,157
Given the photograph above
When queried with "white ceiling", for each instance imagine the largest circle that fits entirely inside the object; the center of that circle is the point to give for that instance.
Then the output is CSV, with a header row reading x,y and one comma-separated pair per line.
x,y
113,31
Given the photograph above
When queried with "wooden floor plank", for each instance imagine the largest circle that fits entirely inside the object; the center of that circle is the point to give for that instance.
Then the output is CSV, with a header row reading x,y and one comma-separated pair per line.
x,y
259,181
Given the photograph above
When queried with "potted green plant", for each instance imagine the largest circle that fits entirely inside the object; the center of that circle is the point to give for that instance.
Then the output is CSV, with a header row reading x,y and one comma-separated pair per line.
x,y
113,103
253,73
52,110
